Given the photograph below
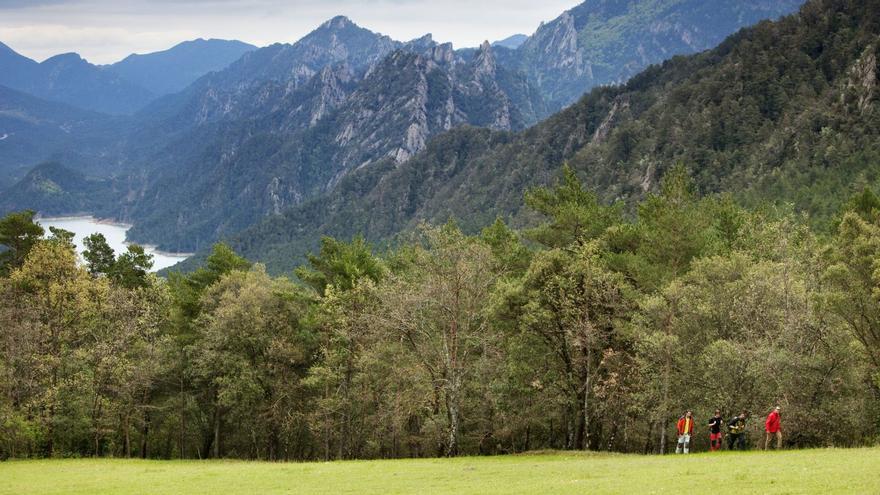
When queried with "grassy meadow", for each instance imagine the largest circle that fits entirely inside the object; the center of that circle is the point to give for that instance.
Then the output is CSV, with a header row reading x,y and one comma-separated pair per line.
x,y
824,471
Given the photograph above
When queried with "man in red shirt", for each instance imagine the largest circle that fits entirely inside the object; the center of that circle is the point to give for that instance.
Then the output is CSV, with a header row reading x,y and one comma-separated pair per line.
x,y
774,428
685,429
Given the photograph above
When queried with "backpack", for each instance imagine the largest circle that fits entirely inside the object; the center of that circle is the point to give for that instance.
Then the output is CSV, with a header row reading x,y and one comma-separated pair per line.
x,y
736,426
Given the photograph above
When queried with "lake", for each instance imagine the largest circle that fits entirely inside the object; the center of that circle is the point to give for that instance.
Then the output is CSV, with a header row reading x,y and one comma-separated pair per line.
x,y
83,227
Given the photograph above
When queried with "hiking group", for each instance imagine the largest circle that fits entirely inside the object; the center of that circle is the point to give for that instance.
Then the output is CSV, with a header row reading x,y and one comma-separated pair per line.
x,y
736,431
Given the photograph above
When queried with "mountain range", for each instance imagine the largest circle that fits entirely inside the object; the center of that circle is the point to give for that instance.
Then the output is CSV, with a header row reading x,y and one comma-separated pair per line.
x,y
348,129
172,70
783,113
120,88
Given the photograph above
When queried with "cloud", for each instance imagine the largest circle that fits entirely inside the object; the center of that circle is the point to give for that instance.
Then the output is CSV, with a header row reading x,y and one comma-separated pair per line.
x,y
20,4
104,31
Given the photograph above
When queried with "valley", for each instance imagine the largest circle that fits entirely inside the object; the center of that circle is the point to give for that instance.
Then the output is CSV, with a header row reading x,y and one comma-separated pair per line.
x,y
287,124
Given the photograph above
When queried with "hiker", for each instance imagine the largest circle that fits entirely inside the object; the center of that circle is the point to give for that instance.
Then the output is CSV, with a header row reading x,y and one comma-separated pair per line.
x,y
773,427
715,436
736,432
685,430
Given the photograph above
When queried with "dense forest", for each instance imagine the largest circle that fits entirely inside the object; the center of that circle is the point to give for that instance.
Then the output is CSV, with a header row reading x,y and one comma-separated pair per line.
x,y
593,330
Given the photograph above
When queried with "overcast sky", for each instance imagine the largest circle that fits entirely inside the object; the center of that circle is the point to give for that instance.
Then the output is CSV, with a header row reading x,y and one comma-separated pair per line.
x,y
104,31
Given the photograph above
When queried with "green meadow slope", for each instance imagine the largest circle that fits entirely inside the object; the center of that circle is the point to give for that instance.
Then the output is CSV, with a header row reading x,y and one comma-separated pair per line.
x,y
793,472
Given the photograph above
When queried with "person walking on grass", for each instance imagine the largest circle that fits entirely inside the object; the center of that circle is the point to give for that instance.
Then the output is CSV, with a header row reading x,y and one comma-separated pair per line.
x,y
736,432
773,426
685,428
715,436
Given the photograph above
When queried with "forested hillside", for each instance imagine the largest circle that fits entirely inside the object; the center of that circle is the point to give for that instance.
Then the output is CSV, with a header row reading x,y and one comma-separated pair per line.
x,y
782,112
591,331
30,128
62,191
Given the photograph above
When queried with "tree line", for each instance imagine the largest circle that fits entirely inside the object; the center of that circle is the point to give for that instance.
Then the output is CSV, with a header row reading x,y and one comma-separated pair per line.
x,y
594,330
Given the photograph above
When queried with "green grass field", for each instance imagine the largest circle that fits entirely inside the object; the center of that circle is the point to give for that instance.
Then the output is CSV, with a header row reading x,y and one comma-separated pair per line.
x,y
807,471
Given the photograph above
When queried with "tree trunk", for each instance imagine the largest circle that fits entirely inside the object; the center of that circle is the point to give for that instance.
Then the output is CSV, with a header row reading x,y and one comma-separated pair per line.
x,y
452,412
180,438
662,437
588,385
577,442
217,432
327,419
96,414
572,413
664,407
145,430
650,437
274,444
126,436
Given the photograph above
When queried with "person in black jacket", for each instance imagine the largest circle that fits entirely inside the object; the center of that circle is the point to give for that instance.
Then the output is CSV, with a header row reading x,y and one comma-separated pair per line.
x,y
736,432
715,435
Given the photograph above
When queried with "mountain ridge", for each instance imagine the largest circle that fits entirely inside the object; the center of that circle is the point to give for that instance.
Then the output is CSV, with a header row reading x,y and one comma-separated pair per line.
x,y
68,78
621,139
288,122
172,70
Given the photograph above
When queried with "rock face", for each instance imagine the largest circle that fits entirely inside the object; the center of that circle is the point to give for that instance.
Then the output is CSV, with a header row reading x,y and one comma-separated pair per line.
x,y
861,85
414,95
607,41
254,139
262,80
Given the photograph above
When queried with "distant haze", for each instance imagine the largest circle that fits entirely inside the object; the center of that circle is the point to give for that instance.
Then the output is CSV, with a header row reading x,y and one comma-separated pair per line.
x,y
105,31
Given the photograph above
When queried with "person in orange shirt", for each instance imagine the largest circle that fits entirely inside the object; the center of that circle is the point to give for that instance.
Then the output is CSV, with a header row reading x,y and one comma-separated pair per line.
x,y
685,429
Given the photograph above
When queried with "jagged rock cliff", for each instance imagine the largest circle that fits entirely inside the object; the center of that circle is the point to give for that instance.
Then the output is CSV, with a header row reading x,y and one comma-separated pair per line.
x,y
249,147
607,41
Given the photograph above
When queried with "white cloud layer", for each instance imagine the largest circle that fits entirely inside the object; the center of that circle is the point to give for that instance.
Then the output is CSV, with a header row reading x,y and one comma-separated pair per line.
x,y
104,31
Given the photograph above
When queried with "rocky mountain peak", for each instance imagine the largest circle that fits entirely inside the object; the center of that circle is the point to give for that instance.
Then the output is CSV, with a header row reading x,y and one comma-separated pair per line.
x,y
64,59
559,42
484,61
443,54
422,43
338,22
